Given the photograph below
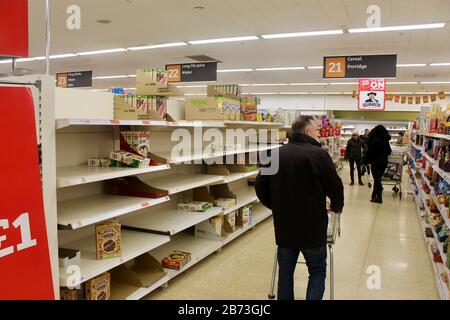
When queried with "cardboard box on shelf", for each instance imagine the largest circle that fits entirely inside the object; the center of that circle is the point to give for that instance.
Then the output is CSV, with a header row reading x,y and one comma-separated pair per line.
x,y
176,260
225,202
249,108
69,294
229,224
210,229
108,240
154,82
243,216
212,108
98,288
195,206
232,91
140,107
133,187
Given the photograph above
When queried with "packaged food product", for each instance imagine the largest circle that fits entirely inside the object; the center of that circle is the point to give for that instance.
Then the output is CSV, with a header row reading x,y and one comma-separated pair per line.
x,y
98,288
243,216
108,240
68,294
93,162
225,203
198,206
176,260
229,223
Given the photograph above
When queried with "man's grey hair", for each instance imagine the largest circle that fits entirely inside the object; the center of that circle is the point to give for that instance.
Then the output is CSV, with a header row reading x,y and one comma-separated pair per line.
x,y
302,123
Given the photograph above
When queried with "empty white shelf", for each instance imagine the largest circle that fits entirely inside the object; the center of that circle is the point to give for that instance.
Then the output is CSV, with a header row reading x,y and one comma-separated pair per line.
x,y
142,292
62,123
181,182
133,244
76,175
168,220
81,212
245,195
198,247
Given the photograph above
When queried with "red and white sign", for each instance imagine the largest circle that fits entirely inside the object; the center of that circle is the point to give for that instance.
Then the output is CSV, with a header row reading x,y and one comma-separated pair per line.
x,y
25,271
372,94
14,28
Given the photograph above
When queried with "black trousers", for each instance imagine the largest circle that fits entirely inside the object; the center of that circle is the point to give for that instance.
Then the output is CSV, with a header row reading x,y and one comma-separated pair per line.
x,y
356,162
377,173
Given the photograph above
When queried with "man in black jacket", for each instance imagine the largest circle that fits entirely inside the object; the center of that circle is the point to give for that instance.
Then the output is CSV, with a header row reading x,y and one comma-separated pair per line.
x,y
353,153
296,194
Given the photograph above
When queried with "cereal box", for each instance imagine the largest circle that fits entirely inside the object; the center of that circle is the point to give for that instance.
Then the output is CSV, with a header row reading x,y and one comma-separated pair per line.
x,y
98,288
108,240
176,260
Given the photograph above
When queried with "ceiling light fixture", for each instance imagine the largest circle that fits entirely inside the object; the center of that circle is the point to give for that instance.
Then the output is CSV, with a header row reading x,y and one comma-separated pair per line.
x,y
399,28
280,69
294,93
157,46
220,40
268,84
89,53
411,65
301,34
309,84
343,83
235,70
110,77
440,64
326,93
315,67
193,86
435,82
402,82
6,61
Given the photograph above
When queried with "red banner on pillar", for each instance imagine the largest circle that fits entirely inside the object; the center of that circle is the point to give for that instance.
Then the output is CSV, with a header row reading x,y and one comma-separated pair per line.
x,y
25,271
14,28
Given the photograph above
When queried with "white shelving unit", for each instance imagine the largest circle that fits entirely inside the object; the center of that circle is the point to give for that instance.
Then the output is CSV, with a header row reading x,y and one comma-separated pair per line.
x,y
429,159
444,175
133,244
79,213
76,175
176,183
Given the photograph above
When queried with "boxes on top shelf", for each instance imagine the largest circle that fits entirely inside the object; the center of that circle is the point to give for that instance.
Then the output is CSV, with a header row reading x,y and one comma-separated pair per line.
x,y
140,107
249,108
212,108
232,91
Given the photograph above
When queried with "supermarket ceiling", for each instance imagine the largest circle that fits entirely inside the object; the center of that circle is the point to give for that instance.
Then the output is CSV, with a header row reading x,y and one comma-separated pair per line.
x,y
149,22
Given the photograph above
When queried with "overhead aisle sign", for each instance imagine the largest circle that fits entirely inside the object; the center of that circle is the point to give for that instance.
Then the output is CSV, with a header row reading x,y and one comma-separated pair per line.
x,y
25,271
371,66
192,72
371,94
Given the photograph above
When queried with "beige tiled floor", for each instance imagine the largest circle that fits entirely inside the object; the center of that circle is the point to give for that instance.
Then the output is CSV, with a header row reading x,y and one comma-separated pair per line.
x,y
387,236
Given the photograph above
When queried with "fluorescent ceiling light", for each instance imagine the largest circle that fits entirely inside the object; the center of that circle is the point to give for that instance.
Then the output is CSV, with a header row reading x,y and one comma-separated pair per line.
x,y
268,84
412,65
132,76
280,69
399,28
435,82
109,77
294,93
157,46
402,82
194,86
343,83
6,61
440,64
235,70
28,59
129,88
324,93
315,67
401,92
309,84
88,53
98,90
220,40
65,55
301,34
245,85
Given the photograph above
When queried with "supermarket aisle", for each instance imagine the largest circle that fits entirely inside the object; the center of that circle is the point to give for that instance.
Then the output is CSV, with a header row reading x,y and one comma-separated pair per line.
x,y
388,236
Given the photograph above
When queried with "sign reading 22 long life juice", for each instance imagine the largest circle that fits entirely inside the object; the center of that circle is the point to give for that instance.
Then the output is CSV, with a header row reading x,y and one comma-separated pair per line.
x,y
25,270
371,94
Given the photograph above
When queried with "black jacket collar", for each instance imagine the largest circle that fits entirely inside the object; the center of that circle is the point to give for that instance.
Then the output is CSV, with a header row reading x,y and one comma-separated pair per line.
x,y
300,138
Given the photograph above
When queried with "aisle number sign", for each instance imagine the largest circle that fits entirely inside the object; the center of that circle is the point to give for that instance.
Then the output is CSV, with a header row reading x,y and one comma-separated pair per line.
x,y
371,94
192,72
25,270
370,66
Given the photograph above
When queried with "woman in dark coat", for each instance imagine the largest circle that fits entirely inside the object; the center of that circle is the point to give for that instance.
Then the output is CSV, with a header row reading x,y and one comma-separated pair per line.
x,y
378,150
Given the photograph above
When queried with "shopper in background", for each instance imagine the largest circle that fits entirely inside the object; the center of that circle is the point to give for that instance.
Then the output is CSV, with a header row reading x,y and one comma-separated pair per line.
x,y
353,153
296,194
365,140
378,150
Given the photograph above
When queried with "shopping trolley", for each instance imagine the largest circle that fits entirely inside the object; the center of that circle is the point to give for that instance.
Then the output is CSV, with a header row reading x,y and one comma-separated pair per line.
x,y
334,230
394,172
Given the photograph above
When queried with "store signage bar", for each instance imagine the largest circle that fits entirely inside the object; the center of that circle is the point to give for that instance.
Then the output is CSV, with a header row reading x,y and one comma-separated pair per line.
x,y
14,28
192,72
370,66
81,79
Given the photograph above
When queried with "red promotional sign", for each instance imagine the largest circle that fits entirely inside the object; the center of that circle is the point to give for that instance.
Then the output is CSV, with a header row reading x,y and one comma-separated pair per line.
x,y
372,94
25,271
14,28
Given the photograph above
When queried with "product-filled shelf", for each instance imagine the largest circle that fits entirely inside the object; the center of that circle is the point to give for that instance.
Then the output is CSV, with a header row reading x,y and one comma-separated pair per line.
x,y
439,245
438,269
429,159
417,147
76,175
437,135
133,244
168,220
442,209
81,212
444,175
427,181
176,183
